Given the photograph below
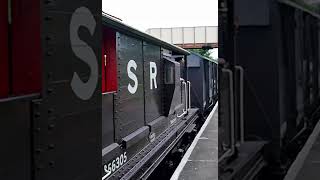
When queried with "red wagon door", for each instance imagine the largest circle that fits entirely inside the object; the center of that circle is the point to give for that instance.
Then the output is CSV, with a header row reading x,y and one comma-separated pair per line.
x,y
26,47
4,67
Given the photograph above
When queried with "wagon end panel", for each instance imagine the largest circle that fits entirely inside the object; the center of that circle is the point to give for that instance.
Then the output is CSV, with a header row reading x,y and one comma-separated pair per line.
x,y
109,84
70,111
173,88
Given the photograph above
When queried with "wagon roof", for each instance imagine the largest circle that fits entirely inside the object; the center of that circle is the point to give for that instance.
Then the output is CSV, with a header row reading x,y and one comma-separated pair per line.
x,y
121,27
203,57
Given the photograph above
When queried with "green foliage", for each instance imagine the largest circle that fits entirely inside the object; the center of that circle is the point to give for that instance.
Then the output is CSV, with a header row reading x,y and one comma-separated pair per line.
x,y
202,52
315,8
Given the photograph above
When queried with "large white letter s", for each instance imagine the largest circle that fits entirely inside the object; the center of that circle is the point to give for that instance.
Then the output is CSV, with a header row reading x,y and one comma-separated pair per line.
x,y
83,17
131,75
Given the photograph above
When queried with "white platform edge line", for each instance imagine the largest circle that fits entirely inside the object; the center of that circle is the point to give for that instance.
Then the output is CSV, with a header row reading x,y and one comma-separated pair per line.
x,y
297,164
185,158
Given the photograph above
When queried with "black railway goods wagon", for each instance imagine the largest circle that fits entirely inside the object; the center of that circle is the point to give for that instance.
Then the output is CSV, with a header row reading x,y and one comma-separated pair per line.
x,y
145,101
62,73
50,90
203,75
283,64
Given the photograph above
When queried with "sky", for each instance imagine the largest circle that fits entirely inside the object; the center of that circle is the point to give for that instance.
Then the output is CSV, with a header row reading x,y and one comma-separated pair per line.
x,y
144,14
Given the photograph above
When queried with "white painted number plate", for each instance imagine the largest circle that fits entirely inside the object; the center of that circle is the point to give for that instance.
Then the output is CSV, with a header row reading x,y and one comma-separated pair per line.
x,y
115,164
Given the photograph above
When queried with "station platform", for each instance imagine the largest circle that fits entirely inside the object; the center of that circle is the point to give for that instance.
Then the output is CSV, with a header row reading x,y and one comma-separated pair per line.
x,y
307,164
201,159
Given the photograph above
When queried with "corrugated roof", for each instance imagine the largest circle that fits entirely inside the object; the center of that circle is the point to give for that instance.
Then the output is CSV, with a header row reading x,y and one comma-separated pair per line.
x,y
123,28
